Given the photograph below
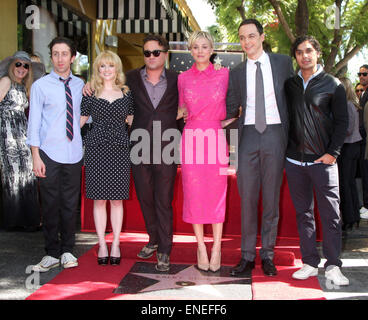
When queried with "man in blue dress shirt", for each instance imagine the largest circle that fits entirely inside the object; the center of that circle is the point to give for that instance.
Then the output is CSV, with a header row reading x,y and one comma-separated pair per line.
x,y
56,144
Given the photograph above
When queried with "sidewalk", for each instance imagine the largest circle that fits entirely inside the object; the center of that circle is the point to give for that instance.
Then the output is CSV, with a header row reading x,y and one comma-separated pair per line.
x,y
19,250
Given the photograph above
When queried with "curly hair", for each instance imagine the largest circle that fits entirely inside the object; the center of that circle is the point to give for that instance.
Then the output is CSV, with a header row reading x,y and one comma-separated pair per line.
x,y
108,57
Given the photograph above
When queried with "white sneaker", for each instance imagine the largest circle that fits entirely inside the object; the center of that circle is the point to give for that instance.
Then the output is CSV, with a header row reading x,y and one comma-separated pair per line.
x,y
334,274
363,210
363,215
46,264
305,272
68,260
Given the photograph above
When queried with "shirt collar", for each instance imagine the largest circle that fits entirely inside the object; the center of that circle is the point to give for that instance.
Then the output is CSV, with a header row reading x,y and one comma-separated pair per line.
x,y
145,75
56,76
206,71
262,59
319,70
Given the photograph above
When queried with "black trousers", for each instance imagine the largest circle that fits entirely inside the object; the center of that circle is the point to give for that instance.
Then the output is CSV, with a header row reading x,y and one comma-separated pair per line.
x,y
154,184
324,180
60,192
349,199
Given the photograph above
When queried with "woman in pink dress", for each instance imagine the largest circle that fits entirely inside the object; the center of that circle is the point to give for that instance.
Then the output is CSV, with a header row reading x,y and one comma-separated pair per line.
x,y
204,154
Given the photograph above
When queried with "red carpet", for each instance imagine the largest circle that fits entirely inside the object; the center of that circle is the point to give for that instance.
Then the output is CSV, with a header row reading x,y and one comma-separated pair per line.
x,y
133,219
92,282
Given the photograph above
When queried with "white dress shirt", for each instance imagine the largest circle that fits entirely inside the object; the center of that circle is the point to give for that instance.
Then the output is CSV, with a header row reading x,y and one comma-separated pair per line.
x,y
272,112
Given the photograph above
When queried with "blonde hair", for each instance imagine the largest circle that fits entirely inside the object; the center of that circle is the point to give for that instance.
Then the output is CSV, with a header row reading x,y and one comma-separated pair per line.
x,y
27,80
199,34
350,93
96,80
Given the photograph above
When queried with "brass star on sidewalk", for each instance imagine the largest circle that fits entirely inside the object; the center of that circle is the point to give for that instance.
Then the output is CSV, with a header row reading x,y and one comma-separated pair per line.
x,y
184,282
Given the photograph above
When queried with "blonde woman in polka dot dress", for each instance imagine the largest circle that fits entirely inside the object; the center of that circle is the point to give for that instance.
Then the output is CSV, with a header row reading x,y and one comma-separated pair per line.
x,y
107,160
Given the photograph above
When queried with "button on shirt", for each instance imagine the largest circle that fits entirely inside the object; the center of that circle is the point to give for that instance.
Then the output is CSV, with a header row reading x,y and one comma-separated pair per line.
x,y
155,92
272,112
47,118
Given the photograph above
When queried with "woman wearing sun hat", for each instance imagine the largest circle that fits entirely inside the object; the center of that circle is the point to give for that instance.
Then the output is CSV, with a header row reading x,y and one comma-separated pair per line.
x,y
20,205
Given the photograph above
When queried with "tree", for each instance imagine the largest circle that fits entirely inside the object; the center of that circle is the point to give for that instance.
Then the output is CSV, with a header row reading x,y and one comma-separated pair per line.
x,y
340,26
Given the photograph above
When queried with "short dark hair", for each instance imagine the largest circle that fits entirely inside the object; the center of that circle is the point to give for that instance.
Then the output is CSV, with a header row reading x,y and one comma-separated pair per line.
x,y
252,21
156,37
365,66
313,41
67,41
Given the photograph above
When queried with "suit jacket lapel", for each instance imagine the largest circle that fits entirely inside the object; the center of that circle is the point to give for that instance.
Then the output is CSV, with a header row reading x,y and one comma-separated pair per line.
x,y
243,90
276,82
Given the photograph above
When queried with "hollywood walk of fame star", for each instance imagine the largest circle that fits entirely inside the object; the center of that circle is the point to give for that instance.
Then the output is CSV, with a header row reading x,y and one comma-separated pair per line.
x,y
184,281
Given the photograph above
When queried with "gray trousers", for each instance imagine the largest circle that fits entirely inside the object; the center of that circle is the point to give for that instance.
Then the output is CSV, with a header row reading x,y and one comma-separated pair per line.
x,y
324,179
260,167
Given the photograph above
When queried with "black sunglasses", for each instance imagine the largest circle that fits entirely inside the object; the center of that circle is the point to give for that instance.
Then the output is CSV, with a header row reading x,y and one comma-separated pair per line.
x,y
19,64
155,53
359,90
364,74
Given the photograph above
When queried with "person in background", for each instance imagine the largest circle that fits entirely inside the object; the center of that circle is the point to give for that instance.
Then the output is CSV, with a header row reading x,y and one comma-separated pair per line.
x,y
348,161
202,92
56,144
20,201
359,89
39,67
363,163
107,154
317,132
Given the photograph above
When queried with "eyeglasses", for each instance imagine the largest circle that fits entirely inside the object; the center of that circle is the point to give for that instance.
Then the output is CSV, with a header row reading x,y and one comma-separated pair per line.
x,y
155,53
19,64
359,90
364,74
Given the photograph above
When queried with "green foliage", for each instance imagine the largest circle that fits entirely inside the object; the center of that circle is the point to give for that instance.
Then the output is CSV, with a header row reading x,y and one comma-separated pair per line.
x,y
352,32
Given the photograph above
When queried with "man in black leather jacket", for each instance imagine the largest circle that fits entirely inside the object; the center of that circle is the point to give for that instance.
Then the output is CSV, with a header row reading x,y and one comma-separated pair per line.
x,y
318,117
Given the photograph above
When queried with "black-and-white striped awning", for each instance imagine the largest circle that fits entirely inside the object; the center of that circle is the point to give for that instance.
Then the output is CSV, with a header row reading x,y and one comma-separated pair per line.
x,y
68,23
145,16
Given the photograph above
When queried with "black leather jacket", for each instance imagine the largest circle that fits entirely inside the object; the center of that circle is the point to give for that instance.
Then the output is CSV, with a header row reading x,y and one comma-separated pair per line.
x,y
318,117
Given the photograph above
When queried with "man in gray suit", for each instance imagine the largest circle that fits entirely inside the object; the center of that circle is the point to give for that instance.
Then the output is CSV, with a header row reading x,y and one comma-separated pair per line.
x,y
258,86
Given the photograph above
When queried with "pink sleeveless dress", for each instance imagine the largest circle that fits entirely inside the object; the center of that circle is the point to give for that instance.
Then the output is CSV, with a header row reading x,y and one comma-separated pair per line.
x,y
204,150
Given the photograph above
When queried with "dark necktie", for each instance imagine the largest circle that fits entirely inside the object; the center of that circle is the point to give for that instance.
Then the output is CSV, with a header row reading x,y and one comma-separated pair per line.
x,y
260,116
69,109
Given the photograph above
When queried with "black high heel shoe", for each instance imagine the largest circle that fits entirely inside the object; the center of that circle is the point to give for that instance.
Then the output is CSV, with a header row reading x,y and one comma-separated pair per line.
x,y
103,261
115,261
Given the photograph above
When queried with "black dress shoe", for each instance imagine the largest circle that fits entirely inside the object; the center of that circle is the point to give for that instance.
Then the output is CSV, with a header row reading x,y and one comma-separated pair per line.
x,y
103,261
268,267
243,268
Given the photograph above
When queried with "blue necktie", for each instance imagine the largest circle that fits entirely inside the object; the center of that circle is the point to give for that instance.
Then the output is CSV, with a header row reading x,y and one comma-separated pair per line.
x,y
69,109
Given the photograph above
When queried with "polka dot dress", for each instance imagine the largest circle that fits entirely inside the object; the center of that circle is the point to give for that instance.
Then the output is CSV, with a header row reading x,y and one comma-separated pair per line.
x,y
107,154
